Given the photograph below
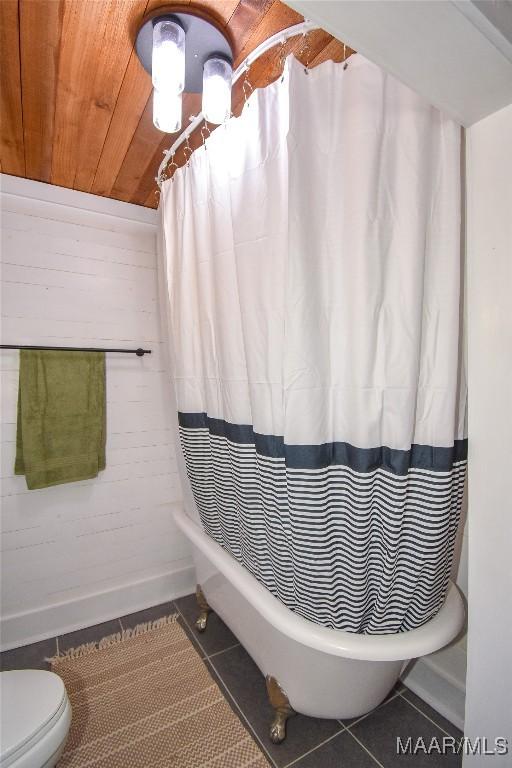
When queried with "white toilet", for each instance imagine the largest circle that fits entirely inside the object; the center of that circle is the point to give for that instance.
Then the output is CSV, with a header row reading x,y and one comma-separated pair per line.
x,y
35,718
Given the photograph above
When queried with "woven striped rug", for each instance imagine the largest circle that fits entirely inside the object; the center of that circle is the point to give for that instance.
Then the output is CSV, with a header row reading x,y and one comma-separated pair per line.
x,y
143,699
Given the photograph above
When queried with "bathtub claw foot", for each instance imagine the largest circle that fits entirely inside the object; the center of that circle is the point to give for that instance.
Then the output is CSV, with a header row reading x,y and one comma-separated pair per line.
x,y
278,727
204,610
283,710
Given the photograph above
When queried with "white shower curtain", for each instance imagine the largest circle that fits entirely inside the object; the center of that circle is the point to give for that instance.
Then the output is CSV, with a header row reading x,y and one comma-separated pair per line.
x,y
313,290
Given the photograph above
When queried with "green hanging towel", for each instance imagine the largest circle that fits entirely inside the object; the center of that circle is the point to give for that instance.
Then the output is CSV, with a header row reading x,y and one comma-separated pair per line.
x,y
61,417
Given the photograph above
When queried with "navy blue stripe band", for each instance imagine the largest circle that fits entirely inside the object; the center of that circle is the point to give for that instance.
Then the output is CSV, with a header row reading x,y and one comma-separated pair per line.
x,y
393,460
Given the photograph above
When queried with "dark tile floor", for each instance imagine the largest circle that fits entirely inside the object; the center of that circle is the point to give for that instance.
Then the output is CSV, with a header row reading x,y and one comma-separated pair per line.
x,y
366,742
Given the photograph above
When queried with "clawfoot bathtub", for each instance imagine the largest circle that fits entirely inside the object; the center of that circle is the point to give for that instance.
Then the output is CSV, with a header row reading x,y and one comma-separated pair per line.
x,y
314,670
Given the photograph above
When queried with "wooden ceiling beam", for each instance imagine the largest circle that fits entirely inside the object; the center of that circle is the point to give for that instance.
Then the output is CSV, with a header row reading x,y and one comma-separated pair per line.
x,y
117,48
134,95
277,17
245,19
334,51
12,145
40,39
139,153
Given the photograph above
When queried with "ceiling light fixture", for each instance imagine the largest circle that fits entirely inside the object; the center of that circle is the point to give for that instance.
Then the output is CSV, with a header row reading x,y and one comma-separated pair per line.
x,y
217,76
167,111
168,56
184,52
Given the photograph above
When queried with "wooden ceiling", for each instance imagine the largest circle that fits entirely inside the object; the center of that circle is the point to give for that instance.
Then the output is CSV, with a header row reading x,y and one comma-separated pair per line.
x,y
76,104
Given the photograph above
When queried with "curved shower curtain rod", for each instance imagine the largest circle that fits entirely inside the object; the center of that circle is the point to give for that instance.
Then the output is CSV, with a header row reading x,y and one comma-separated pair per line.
x,y
279,38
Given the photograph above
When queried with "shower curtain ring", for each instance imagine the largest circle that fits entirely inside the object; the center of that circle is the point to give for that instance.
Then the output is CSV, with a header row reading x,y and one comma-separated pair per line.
x,y
169,166
282,58
190,151
246,84
305,49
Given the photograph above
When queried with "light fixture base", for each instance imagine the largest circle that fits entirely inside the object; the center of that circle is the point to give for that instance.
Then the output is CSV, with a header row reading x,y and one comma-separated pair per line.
x,y
203,40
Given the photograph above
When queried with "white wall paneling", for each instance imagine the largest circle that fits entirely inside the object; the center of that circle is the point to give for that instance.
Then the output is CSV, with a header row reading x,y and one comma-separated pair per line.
x,y
489,678
80,270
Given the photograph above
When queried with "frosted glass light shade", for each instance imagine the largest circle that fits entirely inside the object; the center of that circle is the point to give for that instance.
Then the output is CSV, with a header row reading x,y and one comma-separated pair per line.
x,y
167,111
217,75
168,57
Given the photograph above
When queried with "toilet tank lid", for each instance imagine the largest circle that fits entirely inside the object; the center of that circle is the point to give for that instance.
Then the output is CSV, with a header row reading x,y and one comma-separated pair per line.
x,y
29,699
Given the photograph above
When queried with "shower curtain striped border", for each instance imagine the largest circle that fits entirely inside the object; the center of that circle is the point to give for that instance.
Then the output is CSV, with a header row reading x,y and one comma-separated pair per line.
x,y
363,460
364,551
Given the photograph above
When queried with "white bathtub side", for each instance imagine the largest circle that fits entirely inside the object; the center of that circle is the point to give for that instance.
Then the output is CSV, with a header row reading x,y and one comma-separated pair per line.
x,y
317,683
325,672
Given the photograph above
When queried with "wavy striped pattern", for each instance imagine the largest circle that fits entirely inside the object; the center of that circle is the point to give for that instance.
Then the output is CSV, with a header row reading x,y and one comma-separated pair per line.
x,y
366,552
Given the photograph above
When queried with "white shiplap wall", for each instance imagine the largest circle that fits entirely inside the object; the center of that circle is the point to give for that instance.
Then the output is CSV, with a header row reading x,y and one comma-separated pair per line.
x,y
81,270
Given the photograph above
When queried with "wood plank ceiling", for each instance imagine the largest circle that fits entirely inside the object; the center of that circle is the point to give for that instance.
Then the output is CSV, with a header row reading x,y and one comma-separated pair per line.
x,y
76,104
